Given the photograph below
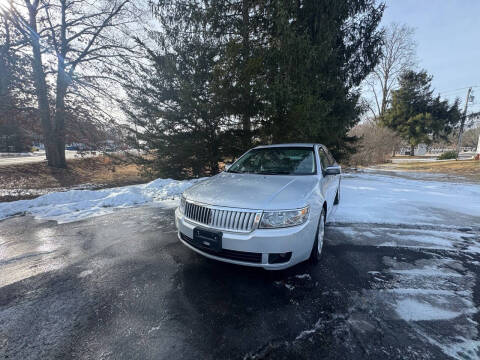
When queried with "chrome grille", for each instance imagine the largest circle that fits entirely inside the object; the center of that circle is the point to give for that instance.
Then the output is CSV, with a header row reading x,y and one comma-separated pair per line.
x,y
221,218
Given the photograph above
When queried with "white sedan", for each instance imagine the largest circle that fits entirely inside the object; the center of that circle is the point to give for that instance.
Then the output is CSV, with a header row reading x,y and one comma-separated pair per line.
x,y
268,209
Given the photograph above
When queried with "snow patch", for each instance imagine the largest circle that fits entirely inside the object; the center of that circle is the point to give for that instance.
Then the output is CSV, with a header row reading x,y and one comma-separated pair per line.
x,y
374,198
85,273
304,276
76,205
413,310
428,291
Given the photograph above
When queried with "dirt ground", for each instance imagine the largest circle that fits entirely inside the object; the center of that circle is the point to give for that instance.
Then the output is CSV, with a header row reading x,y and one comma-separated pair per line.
x,y
468,169
98,172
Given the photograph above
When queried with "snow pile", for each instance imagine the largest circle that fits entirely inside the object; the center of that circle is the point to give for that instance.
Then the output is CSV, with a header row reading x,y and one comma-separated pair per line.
x,y
79,204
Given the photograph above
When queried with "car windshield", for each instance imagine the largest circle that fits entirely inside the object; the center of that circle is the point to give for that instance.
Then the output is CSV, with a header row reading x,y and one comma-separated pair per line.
x,y
277,161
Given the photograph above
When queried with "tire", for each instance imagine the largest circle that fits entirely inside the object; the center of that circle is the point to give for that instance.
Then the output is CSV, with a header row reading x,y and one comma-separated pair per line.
x,y
316,252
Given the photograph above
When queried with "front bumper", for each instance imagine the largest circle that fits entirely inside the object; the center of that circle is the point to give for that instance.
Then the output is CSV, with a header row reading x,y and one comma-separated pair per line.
x,y
296,240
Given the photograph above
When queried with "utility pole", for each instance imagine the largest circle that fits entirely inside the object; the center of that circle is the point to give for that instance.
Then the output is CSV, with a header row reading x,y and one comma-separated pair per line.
x,y
462,124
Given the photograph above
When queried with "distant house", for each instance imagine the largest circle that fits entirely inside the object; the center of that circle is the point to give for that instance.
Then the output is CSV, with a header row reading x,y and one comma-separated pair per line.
x,y
420,150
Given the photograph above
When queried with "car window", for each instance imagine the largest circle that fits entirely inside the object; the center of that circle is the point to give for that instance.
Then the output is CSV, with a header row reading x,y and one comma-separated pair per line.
x,y
323,158
331,159
277,161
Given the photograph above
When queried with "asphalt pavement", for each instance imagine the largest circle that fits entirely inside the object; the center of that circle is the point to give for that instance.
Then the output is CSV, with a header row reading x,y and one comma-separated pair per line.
x,y
121,286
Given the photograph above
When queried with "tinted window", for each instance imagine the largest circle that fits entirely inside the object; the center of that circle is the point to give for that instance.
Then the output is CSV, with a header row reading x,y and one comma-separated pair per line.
x,y
277,161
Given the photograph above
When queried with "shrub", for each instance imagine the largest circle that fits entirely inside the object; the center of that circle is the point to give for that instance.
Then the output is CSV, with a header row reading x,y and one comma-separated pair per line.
x,y
376,144
448,155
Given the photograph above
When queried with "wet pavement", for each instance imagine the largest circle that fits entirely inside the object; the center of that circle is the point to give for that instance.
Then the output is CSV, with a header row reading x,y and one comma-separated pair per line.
x,y
121,286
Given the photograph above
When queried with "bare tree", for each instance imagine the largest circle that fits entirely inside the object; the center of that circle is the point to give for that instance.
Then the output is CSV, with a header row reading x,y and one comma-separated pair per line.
x,y
470,137
75,41
375,144
398,51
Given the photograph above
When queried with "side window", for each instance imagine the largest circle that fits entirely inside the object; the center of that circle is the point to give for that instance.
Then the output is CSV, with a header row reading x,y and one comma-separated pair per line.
x,y
331,159
323,158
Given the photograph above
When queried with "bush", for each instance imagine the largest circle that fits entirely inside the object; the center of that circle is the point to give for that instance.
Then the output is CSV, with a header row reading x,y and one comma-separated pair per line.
x,y
448,155
375,145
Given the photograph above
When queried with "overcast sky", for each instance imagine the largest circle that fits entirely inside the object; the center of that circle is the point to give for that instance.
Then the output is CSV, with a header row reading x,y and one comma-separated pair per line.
x,y
448,38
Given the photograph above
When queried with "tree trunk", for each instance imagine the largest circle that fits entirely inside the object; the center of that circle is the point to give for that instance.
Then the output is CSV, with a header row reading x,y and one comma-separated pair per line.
x,y
51,150
60,123
54,146
412,150
384,98
63,81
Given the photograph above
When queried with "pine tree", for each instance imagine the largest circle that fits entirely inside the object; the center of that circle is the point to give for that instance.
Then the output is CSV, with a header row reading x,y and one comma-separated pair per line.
x,y
416,114
177,102
226,75
240,27
320,51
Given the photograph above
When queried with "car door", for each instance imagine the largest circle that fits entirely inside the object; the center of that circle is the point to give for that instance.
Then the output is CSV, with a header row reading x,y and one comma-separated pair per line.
x,y
327,180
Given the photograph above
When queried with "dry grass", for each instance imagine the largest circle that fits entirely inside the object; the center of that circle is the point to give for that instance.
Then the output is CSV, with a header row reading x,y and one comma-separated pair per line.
x,y
469,169
102,171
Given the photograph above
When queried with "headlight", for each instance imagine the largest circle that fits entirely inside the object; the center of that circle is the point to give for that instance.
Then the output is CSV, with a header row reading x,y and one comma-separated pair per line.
x,y
182,204
284,218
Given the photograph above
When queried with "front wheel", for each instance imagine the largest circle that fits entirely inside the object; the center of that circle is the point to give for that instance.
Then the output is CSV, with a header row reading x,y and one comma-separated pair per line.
x,y
318,244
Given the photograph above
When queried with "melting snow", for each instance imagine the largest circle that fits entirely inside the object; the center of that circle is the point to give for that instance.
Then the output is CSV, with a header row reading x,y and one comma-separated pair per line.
x,y
80,204
373,198
389,211
411,309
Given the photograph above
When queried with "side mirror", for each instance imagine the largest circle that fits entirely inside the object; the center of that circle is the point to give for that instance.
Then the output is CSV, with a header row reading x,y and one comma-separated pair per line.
x,y
228,166
332,170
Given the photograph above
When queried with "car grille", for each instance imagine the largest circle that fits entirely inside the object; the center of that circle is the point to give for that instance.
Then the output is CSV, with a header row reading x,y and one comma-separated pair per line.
x,y
228,254
233,220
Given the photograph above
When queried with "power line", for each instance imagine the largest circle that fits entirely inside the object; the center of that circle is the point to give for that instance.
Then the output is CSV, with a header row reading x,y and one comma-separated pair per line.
x,y
459,89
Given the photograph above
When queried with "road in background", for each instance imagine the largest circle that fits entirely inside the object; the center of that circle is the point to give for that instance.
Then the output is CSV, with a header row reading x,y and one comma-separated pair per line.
x,y
39,156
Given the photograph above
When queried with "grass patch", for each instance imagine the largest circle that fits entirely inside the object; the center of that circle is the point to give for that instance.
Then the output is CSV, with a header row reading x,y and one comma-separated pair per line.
x,y
99,172
470,169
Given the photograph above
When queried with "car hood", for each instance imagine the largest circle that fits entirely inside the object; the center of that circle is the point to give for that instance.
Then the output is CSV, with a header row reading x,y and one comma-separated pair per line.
x,y
252,191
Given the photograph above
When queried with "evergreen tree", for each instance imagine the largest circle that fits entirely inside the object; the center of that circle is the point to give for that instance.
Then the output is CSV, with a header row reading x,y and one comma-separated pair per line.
x,y
320,51
226,75
239,26
416,114
178,103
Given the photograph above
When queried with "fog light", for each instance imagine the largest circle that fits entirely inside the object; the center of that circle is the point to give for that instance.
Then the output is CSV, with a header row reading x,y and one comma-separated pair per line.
x,y
279,258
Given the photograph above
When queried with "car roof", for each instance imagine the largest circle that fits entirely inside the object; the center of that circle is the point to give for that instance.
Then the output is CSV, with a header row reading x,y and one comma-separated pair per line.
x,y
287,145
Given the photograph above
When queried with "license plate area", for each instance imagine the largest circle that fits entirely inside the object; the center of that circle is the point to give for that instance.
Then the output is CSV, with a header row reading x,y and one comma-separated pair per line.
x,y
208,240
